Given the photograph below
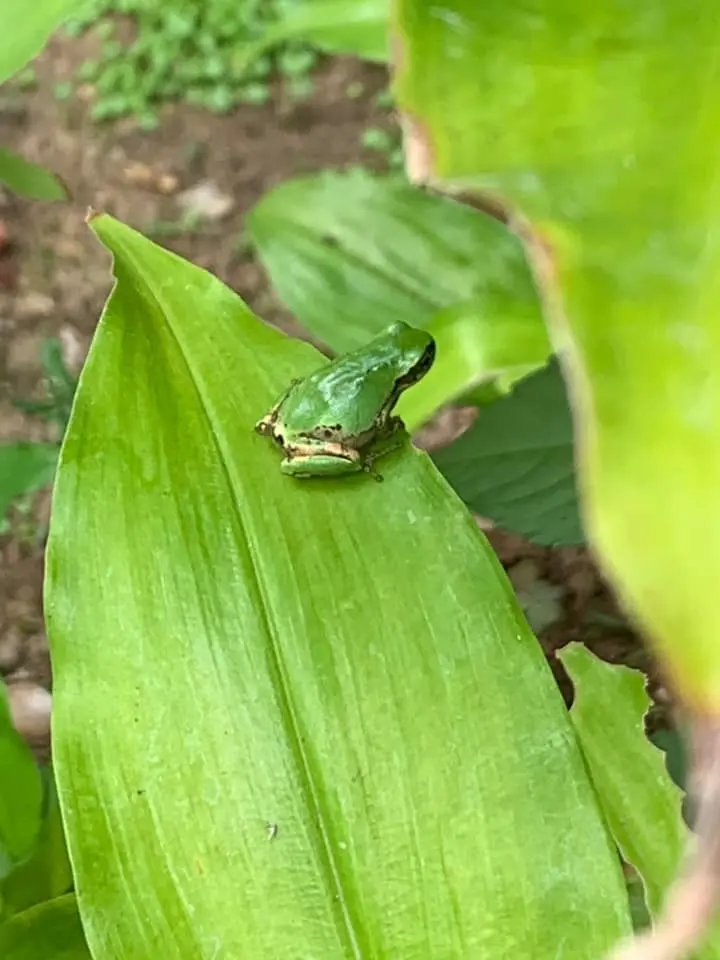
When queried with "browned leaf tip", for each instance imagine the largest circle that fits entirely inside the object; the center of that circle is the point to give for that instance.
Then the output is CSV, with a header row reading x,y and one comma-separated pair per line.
x,y
486,203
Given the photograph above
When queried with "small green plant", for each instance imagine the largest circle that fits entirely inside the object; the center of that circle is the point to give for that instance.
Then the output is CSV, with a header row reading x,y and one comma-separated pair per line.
x,y
385,142
187,52
60,387
27,466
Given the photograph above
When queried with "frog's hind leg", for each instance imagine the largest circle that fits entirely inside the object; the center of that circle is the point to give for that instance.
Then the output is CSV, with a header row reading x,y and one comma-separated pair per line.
x,y
318,465
320,460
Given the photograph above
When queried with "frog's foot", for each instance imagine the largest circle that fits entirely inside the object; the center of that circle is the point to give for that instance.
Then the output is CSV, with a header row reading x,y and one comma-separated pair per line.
x,y
382,447
265,426
368,468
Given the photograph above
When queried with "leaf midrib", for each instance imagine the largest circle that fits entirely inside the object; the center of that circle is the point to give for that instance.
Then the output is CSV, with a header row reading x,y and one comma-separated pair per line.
x,y
265,611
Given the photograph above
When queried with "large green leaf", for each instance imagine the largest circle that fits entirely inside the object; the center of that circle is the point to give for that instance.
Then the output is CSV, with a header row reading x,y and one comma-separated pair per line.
x,y
351,253
20,794
515,464
25,468
641,803
601,125
493,340
28,179
24,30
292,718
51,931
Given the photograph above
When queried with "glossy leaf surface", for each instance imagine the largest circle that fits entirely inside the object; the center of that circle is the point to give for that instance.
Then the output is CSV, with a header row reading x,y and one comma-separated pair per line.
x,y
243,764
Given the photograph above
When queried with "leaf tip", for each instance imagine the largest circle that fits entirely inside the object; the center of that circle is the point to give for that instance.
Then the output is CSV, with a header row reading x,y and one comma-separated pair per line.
x,y
91,215
64,192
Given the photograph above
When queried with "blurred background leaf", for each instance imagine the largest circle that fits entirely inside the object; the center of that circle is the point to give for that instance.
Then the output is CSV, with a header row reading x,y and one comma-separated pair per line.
x,y
28,179
50,931
493,340
46,874
20,794
25,468
345,284
427,261
643,810
25,31
515,463
619,203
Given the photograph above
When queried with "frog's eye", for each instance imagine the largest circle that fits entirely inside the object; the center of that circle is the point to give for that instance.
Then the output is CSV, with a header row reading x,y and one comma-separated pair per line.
x,y
426,360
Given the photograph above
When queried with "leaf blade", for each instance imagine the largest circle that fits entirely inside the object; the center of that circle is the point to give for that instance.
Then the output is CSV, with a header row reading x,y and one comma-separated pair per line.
x,y
515,463
50,931
28,179
643,807
22,38
299,659
603,215
312,237
21,795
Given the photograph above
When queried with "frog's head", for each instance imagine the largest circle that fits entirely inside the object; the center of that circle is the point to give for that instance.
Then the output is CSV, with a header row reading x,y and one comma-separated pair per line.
x,y
416,352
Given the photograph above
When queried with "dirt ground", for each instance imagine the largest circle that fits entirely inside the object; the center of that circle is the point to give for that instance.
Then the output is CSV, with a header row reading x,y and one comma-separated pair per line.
x,y
54,279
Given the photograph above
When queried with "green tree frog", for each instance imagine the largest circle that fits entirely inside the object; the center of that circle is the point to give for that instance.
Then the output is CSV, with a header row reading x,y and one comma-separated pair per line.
x,y
339,419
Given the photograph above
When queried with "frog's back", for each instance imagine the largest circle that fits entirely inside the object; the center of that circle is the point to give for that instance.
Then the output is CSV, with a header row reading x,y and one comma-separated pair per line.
x,y
345,395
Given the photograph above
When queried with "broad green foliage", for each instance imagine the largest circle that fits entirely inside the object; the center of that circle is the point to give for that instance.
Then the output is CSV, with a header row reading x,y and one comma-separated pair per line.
x,y
641,803
601,125
676,760
485,345
236,704
515,464
51,931
27,179
24,30
350,253
20,795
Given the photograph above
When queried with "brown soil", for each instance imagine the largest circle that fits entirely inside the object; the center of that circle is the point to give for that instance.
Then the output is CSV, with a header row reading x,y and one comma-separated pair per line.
x,y
54,279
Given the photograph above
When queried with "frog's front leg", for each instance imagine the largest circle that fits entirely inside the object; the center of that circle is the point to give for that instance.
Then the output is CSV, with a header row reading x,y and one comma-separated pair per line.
x,y
315,459
265,425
